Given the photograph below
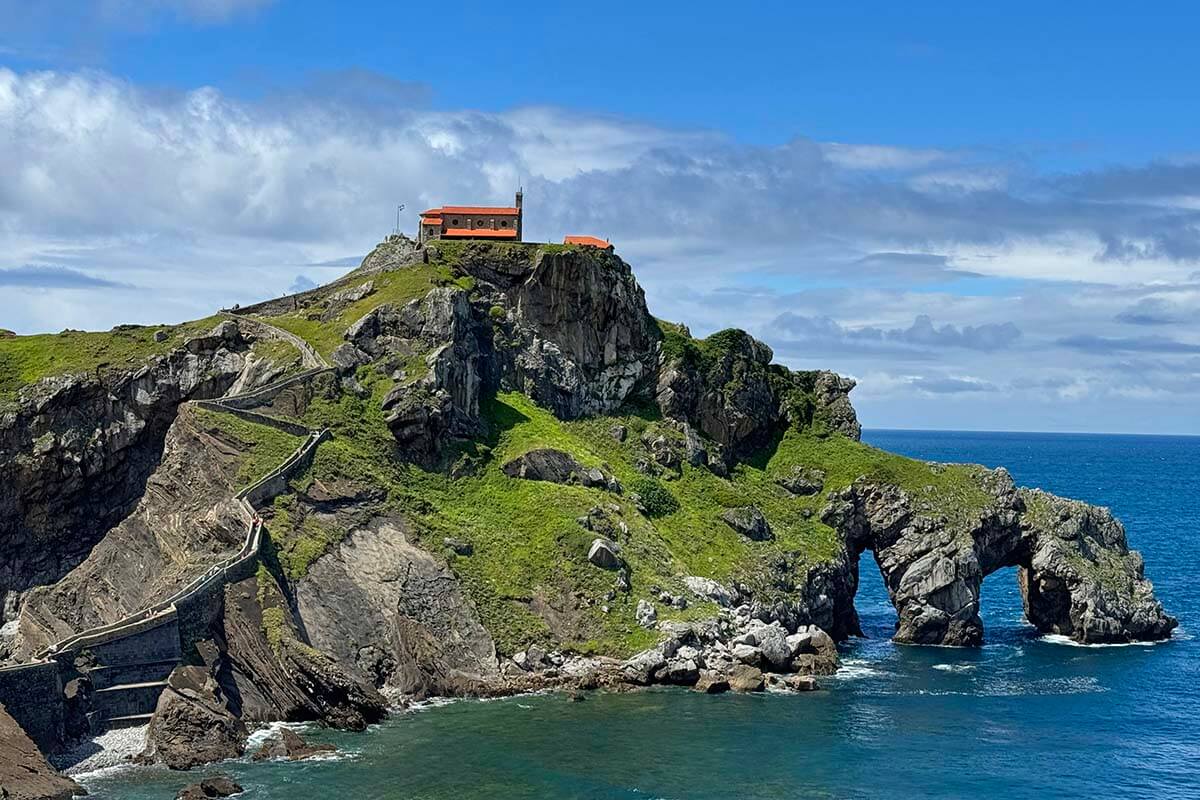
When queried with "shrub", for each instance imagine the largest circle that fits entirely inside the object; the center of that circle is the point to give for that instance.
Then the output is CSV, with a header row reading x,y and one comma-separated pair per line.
x,y
656,498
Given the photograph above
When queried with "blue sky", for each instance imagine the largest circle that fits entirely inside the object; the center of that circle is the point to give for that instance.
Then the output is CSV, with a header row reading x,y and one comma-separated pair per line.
x,y
988,214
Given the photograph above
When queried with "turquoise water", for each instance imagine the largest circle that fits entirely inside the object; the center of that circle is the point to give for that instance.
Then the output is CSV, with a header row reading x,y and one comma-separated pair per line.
x,y
1019,718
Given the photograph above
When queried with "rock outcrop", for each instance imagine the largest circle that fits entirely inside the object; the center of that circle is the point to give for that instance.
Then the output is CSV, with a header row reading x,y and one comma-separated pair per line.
x,y
288,745
76,452
24,771
192,724
215,786
580,340
1082,580
555,466
274,675
728,389
397,615
1077,574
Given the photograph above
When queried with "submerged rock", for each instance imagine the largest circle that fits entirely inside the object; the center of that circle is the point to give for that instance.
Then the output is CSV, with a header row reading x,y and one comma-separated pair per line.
x,y
286,743
216,786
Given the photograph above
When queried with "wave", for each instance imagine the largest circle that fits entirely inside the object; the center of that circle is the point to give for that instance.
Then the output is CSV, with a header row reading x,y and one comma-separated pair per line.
x,y
1058,638
260,735
1004,688
954,667
855,668
432,703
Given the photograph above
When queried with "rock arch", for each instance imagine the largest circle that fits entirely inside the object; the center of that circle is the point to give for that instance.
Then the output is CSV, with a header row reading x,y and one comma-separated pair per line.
x,y
1076,573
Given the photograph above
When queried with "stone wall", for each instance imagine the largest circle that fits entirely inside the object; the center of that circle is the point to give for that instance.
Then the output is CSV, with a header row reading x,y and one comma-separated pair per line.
x,y
33,695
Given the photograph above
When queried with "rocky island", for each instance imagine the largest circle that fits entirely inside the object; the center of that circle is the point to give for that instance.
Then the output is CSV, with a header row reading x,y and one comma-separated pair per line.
x,y
471,468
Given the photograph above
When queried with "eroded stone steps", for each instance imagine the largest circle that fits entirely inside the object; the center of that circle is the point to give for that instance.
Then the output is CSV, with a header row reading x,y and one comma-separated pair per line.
x,y
125,674
126,700
128,721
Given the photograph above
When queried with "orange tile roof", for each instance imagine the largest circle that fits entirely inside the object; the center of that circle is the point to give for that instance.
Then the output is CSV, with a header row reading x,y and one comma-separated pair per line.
x,y
500,211
482,233
433,211
589,241
431,221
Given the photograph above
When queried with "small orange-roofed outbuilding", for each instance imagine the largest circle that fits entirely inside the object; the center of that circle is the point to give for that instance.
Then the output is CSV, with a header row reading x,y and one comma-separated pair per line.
x,y
588,241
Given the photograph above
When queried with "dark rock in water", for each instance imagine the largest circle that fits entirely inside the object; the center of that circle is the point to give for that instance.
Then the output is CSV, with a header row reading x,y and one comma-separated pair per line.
x,y
24,772
801,683
813,651
711,682
192,724
216,786
749,522
288,744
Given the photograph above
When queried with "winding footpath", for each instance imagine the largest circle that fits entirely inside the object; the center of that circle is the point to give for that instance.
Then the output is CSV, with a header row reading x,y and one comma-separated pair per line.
x,y
126,696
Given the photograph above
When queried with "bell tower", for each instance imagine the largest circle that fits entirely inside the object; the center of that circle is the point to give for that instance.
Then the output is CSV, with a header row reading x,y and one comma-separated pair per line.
x,y
520,214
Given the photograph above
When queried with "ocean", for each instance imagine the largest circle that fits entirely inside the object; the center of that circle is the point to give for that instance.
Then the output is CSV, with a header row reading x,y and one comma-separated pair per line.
x,y
1022,717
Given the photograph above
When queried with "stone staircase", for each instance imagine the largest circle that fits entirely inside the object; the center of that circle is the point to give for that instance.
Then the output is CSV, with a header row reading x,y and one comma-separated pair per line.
x,y
128,662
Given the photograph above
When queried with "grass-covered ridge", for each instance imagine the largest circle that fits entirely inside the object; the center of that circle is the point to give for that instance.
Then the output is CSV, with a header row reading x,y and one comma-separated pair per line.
x,y
262,447
324,326
27,359
529,550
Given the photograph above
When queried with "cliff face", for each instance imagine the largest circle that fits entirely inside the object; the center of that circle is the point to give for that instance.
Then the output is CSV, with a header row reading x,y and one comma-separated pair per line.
x,y
24,772
185,520
525,467
76,451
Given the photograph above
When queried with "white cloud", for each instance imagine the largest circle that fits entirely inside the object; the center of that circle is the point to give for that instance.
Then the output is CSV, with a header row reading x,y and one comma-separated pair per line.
x,y
200,200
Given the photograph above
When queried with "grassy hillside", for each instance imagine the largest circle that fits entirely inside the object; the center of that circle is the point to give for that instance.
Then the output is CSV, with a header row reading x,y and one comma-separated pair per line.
x,y
28,359
529,550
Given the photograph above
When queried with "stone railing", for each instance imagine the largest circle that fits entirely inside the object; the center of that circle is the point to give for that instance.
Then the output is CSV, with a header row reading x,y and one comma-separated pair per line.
x,y
33,690
253,496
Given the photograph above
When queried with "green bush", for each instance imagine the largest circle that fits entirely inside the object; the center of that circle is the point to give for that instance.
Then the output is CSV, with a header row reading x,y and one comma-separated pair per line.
x,y
656,498
496,312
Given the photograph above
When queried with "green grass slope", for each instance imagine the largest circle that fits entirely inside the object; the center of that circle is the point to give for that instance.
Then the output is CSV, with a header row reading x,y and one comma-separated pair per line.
x,y
28,359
